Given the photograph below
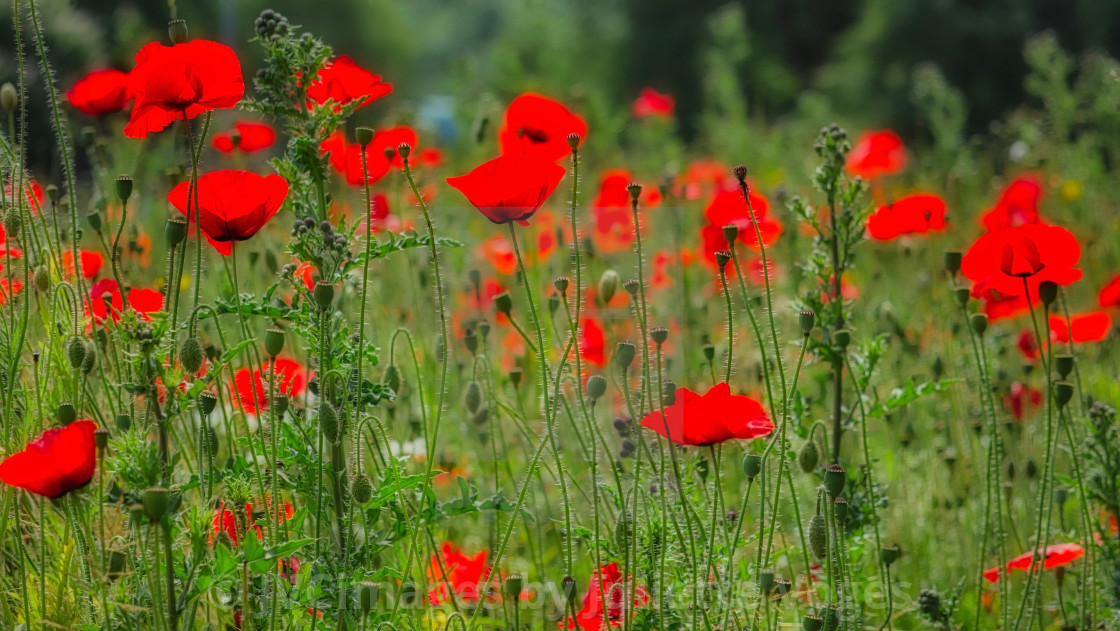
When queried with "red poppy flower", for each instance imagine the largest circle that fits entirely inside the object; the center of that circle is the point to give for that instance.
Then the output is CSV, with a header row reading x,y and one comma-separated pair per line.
x,y
346,159
650,102
91,263
611,212
430,157
7,290
1086,327
100,92
1021,400
1001,260
226,521
999,307
1027,346
234,204
459,572
705,177
607,581
537,127
60,461
509,188
1017,205
387,141
344,81
710,418
1054,556
499,251
877,153
591,343
180,82
1109,295
143,301
246,137
306,272
33,194
728,207
291,379
916,214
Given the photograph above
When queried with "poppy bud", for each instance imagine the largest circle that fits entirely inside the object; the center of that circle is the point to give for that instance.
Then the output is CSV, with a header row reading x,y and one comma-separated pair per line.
x,y
364,135
470,340
66,413
596,387
1064,392
766,581
101,439
889,554
191,355
124,187
842,337
978,322
175,231
553,303
273,341
328,421
207,401
484,329
752,465
561,284
834,479
812,622
1031,468
12,221
740,172
368,591
280,404
513,586
1060,496
818,536
177,31
568,584
807,320
840,507
809,456
9,98
124,422
323,294
90,359
515,375
392,377
962,295
722,258
952,262
573,138
632,287
94,219
155,502
473,397
730,233
503,303
405,150
635,191
1064,364
608,284
42,278
75,351
1048,292
136,513
361,489
659,334
624,355
938,368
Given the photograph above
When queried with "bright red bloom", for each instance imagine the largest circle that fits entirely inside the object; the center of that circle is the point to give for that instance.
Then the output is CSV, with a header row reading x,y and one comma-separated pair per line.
x,y
234,204
226,521
459,572
1086,327
999,307
143,301
650,102
1109,295
180,82
593,615
60,461
387,142
1017,205
91,263
344,81
591,343
1000,261
1054,556
611,212
728,207
710,418
7,290
916,214
430,157
100,92
250,137
34,194
877,153
536,126
346,158
509,188
1027,346
1021,400
499,251
291,379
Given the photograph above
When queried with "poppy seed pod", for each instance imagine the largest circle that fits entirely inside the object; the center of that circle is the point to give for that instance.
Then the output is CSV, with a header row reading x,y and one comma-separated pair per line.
x,y
1064,365
635,191
503,303
175,231
1048,292
124,422
889,554
766,581
730,233
207,401
124,187
809,456
280,402
812,622
368,591
596,387
573,138
94,220
740,172
405,150
568,588
978,322
842,337
722,258
470,340
273,341
668,393
952,262
484,329
75,351
101,439
191,354
561,284
807,320
659,334
9,98
1063,391
632,287
752,465
840,507
473,397
513,586
361,489
66,413
608,284
328,421
323,294
709,351
962,295
515,375
624,355
392,377
177,31
553,303
364,135
818,536
156,502
834,479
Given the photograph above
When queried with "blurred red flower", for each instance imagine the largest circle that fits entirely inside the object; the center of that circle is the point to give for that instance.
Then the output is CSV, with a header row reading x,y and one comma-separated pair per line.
x,y
607,581
246,137
1017,205
226,521
180,82
1109,295
711,418
728,207
1001,261
344,81
100,92
233,205
459,572
915,214
1086,327
1053,556
537,127
509,188
346,159
592,343
33,193
142,300
877,153
91,263
291,379
1021,400
60,461
387,141
650,102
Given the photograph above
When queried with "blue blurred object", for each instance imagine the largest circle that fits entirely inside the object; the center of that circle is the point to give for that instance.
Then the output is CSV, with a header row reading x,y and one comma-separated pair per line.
x,y
437,113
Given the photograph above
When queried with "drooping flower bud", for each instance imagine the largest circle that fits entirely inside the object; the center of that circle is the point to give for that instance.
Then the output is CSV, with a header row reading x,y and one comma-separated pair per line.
x,y
75,351
191,355
596,387
328,421
361,489
608,284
